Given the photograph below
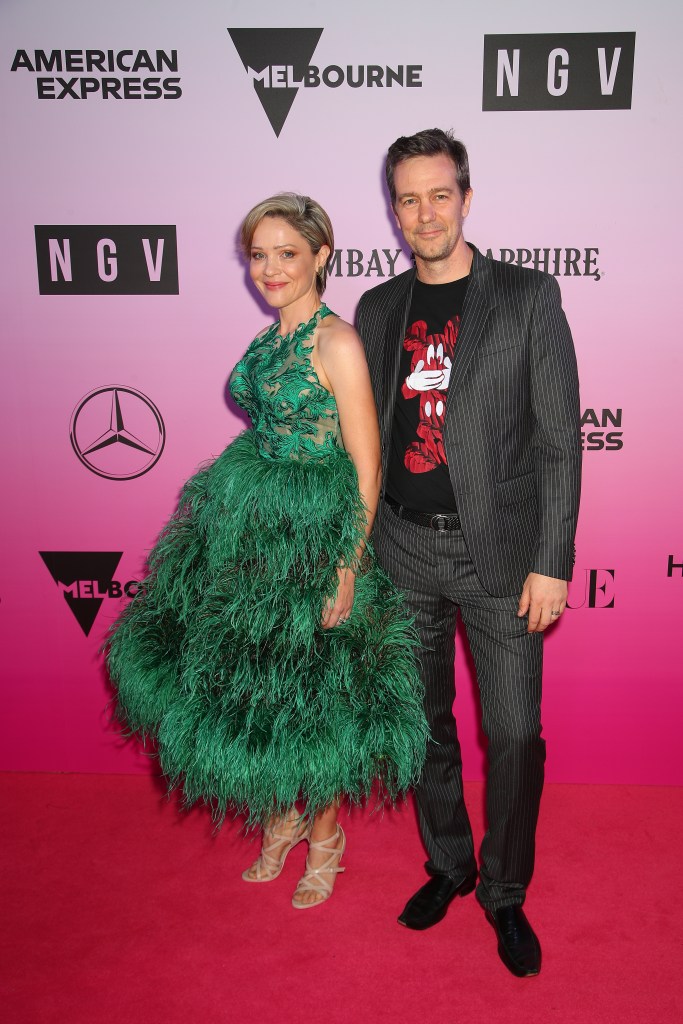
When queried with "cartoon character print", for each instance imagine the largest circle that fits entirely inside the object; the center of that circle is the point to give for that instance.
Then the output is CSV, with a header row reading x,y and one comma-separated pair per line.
x,y
430,372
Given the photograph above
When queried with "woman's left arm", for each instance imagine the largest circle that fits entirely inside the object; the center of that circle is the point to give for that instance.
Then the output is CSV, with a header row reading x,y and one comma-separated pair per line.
x,y
342,359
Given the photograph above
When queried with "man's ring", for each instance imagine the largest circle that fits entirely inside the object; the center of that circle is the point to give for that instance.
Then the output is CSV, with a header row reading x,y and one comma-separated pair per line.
x,y
555,613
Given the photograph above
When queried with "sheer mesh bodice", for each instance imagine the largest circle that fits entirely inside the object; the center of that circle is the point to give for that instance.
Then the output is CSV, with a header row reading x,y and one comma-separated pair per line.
x,y
293,415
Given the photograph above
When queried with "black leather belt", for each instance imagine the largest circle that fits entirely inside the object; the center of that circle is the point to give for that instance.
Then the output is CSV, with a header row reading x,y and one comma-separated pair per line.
x,y
435,521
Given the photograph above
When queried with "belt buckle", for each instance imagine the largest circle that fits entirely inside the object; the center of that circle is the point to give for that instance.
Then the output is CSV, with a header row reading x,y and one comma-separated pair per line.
x,y
439,522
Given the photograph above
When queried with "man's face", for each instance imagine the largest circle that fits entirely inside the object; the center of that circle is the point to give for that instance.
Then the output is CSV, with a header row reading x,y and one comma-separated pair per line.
x,y
429,207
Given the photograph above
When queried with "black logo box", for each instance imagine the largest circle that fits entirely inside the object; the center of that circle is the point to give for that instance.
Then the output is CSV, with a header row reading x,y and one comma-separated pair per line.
x,y
93,567
143,259
586,88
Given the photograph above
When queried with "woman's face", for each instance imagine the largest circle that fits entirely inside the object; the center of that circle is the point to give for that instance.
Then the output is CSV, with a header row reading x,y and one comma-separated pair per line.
x,y
282,264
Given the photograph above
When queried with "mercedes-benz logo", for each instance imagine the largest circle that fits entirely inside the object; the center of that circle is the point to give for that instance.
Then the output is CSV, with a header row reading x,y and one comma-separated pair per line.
x,y
133,437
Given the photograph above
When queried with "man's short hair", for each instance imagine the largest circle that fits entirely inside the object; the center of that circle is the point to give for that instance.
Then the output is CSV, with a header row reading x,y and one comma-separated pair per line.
x,y
430,142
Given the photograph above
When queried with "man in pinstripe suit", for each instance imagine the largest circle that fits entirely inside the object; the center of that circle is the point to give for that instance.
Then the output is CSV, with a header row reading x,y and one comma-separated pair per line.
x,y
475,380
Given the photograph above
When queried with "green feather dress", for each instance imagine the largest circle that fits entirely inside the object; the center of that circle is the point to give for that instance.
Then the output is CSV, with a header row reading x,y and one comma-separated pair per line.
x,y
221,657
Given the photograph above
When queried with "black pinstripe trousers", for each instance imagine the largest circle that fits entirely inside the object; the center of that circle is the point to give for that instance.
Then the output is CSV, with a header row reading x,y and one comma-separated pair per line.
x,y
434,571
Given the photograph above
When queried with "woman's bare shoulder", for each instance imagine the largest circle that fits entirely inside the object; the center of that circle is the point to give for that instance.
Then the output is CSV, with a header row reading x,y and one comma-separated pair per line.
x,y
336,336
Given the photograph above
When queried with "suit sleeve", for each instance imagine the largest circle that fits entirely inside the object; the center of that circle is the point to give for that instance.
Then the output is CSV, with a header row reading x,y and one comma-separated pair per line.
x,y
365,321
557,432
361,320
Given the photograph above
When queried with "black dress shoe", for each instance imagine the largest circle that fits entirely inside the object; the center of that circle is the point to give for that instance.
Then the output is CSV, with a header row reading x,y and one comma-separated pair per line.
x,y
518,947
429,904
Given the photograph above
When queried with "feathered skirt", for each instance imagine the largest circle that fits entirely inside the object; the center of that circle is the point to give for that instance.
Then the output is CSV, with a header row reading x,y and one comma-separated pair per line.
x,y
222,660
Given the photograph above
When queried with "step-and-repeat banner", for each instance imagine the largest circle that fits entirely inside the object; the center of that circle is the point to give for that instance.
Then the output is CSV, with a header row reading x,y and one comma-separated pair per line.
x,y
136,136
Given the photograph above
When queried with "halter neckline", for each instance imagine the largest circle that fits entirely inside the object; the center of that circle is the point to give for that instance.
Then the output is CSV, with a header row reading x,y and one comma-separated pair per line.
x,y
304,329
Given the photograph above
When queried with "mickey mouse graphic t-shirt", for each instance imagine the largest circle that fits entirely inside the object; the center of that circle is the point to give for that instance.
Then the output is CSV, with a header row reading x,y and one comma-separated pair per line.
x,y
417,468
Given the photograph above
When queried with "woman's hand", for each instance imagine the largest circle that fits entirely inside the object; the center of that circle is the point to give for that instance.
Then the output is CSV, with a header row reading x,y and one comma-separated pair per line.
x,y
338,609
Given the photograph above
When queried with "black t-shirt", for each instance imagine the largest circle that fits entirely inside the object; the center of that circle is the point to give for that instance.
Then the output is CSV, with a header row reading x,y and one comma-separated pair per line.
x,y
417,469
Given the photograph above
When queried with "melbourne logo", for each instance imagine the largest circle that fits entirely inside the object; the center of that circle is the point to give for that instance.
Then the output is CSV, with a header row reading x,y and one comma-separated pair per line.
x,y
117,433
573,71
92,259
85,578
278,61
84,74
558,261
601,430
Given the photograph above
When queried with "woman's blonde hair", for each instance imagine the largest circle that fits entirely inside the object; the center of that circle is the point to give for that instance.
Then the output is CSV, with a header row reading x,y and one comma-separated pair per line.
x,y
304,215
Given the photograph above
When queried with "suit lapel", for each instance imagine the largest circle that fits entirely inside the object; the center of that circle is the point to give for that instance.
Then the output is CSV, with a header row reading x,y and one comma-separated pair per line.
x,y
474,316
394,334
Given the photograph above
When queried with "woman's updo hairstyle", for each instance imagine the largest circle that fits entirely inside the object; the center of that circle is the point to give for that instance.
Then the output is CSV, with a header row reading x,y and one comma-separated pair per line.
x,y
304,215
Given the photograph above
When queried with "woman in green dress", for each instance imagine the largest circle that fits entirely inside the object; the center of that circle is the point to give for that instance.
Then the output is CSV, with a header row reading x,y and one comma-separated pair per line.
x,y
266,652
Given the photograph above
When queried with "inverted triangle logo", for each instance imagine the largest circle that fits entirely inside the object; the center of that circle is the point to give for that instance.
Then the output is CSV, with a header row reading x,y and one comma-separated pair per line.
x,y
273,58
84,578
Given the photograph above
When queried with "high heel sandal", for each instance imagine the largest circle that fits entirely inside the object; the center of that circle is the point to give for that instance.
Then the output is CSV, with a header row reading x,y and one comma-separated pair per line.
x,y
267,866
314,878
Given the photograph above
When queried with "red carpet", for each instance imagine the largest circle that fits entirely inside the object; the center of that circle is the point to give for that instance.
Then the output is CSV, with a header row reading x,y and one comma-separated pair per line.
x,y
116,908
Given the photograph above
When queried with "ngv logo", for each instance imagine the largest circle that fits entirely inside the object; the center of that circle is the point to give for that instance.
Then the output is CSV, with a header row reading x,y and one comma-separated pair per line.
x,y
118,259
572,71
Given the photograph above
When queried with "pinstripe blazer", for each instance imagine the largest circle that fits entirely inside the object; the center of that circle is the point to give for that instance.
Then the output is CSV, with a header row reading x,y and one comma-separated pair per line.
x,y
512,426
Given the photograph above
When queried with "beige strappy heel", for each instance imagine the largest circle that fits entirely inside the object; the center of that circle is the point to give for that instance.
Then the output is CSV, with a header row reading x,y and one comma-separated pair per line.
x,y
268,866
314,879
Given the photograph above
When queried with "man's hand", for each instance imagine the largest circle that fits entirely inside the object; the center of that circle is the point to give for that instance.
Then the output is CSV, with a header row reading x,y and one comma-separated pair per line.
x,y
544,599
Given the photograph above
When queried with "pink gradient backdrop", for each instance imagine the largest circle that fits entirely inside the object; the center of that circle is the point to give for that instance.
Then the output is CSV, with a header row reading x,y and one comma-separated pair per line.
x,y
600,179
